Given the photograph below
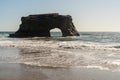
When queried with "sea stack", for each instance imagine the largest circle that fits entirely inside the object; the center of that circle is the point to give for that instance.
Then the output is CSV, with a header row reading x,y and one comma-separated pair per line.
x,y
40,25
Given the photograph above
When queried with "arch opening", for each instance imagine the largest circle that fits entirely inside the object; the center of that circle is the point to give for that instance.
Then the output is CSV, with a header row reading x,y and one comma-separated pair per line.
x,y
56,32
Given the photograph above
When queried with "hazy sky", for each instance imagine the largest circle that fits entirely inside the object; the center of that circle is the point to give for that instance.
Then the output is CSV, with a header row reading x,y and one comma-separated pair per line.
x,y
88,15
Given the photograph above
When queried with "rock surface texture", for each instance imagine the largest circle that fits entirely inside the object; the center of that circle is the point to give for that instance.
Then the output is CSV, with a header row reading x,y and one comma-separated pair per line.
x,y
40,25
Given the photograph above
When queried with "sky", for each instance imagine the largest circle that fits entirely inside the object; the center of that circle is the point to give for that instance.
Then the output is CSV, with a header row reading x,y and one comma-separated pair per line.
x,y
88,15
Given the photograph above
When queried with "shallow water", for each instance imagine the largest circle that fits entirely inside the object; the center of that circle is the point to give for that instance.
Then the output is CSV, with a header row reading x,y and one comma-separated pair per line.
x,y
90,50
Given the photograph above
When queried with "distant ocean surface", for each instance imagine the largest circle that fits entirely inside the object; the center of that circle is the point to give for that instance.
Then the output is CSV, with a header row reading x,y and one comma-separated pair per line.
x,y
99,50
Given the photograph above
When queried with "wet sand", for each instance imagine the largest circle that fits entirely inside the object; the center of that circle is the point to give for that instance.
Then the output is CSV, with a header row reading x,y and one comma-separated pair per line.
x,y
10,71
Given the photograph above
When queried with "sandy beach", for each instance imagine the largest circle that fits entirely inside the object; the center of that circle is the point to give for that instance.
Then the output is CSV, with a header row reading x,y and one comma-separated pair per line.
x,y
25,72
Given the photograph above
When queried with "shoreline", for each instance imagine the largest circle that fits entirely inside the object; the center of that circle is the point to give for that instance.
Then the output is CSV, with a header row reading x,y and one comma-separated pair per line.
x,y
15,71
15,56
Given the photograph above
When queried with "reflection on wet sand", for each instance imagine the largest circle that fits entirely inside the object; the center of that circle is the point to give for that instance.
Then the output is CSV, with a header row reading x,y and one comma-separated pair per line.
x,y
20,72
9,71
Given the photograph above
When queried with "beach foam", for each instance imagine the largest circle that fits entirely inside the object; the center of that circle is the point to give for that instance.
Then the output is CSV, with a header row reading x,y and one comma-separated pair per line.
x,y
63,52
23,43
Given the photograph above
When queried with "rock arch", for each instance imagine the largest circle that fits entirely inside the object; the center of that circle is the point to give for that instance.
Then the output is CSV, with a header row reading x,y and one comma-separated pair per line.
x,y
40,25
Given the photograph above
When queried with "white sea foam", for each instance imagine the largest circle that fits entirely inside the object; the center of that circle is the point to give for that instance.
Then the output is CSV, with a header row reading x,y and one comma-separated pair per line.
x,y
52,53
61,44
97,67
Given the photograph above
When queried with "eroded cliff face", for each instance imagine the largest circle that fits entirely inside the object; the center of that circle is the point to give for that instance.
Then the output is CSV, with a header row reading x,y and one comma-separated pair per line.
x,y
40,25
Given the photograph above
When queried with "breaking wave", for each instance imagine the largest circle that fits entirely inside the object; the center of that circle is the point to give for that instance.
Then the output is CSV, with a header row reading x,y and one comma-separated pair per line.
x,y
45,52
26,43
90,50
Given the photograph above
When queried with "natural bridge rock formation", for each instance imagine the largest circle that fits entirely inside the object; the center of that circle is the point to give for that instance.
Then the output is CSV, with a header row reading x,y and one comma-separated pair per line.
x,y
40,25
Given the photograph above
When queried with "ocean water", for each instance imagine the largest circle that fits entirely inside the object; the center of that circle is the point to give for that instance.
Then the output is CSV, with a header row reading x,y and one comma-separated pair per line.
x,y
100,50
